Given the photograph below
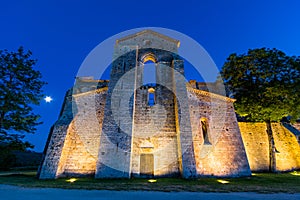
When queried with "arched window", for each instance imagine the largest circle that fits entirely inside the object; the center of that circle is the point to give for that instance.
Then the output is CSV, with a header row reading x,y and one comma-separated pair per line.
x,y
151,97
205,130
149,75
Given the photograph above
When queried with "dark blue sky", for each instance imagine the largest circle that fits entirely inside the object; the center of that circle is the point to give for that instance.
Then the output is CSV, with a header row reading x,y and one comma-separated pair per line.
x,y
61,33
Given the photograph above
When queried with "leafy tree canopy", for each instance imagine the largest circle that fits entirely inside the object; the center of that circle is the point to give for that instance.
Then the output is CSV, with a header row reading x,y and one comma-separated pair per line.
x,y
265,83
20,89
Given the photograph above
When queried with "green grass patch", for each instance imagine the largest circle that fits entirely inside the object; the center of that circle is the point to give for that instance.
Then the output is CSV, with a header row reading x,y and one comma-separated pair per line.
x,y
261,182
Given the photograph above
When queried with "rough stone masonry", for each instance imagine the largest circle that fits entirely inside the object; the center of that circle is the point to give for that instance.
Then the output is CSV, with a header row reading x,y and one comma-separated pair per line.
x,y
125,128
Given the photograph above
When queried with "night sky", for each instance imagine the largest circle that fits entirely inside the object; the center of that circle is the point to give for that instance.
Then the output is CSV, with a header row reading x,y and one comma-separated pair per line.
x,y
61,33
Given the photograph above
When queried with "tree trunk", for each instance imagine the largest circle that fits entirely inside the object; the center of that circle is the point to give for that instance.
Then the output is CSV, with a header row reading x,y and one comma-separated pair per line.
x,y
1,122
272,149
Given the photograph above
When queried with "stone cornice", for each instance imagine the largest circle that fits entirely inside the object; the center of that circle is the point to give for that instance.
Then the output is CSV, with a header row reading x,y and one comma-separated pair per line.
x,y
177,42
190,89
92,81
213,95
97,91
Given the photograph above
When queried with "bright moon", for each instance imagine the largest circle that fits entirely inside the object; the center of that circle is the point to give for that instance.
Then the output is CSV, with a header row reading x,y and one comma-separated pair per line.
x,y
48,99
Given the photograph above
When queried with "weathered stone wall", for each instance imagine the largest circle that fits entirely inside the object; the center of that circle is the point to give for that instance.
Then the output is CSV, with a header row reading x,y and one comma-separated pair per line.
x,y
130,125
88,84
154,132
116,134
55,141
147,39
75,160
223,154
213,87
288,149
257,146
72,146
80,151
183,123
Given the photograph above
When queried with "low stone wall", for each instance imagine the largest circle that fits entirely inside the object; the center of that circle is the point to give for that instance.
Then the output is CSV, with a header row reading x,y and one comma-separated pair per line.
x,y
257,146
297,126
288,149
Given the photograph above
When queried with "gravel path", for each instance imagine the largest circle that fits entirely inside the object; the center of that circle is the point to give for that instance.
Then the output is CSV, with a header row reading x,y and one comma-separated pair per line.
x,y
12,193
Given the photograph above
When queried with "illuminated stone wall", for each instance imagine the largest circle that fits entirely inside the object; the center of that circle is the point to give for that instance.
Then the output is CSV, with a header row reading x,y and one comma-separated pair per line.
x,y
56,140
80,151
137,128
72,147
288,149
155,132
223,153
75,160
257,146
115,141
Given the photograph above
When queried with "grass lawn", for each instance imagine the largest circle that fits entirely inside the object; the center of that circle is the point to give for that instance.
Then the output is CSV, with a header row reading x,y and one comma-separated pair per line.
x,y
260,182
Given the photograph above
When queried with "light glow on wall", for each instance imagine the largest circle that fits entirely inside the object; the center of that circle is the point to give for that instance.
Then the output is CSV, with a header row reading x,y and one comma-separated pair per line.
x,y
152,181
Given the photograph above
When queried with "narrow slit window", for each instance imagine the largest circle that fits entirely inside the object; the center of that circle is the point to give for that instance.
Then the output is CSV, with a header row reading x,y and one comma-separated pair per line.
x,y
205,131
119,128
151,97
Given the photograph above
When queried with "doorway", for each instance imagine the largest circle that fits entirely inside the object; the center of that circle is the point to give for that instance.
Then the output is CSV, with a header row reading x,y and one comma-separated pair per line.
x,y
146,165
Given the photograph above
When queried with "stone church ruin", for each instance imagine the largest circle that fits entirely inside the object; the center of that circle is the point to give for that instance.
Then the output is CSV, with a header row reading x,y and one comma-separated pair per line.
x,y
123,128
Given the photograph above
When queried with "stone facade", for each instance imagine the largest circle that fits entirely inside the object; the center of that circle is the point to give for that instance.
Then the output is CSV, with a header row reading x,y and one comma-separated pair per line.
x,y
124,128
71,148
223,153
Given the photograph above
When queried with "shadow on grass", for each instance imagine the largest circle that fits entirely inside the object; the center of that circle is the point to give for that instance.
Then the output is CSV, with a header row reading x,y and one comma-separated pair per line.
x,y
261,183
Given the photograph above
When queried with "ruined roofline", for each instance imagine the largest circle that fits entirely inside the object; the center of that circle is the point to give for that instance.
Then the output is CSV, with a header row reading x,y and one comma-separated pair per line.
x,y
90,79
97,91
95,81
190,89
213,95
177,42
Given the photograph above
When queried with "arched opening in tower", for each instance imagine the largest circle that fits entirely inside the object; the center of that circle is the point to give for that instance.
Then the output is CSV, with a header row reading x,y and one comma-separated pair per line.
x,y
149,77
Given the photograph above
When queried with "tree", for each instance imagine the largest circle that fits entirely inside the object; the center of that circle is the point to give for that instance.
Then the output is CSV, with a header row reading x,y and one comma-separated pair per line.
x,y
20,89
266,86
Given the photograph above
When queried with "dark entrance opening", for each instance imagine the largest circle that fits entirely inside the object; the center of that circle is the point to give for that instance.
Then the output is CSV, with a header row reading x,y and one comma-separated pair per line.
x,y
147,165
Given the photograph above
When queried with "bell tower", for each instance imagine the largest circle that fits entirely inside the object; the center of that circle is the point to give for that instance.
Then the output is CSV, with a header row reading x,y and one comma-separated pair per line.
x,y
146,127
